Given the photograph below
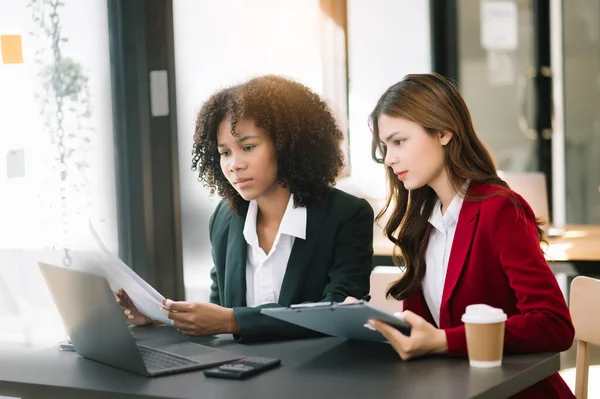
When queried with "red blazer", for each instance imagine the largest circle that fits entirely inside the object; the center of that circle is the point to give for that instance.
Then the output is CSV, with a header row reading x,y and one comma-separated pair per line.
x,y
496,259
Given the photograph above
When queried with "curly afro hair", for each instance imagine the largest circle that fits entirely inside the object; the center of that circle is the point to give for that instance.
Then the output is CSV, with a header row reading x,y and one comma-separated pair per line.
x,y
300,123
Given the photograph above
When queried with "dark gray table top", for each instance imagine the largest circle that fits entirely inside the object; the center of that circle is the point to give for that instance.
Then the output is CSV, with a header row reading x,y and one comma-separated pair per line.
x,y
314,368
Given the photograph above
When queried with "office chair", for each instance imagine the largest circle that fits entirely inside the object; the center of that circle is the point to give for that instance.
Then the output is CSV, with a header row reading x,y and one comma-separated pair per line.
x,y
532,187
381,278
585,312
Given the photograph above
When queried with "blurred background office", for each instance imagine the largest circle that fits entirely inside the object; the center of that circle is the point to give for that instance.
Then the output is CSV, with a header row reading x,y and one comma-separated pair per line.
x,y
98,100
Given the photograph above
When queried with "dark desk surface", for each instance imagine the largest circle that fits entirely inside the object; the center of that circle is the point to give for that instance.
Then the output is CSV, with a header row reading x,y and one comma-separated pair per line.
x,y
315,368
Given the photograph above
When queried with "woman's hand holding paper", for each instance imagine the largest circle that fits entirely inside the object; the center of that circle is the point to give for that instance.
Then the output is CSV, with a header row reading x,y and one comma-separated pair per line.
x,y
133,316
198,319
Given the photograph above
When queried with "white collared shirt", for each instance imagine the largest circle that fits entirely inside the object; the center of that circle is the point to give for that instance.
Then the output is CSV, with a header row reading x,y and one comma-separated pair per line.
x,y
438,251
265,272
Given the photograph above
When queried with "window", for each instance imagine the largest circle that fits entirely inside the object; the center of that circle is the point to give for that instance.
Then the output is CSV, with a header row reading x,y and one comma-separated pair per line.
x,y
42,210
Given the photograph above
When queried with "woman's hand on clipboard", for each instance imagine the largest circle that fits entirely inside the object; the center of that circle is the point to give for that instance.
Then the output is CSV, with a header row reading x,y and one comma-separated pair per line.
x,y
350,299
424,338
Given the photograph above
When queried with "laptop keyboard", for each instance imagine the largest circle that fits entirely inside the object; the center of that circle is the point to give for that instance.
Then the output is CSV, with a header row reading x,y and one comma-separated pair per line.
x,y
157,360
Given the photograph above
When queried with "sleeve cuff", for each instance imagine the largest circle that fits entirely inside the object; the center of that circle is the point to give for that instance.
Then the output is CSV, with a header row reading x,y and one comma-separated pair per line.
x,y
457,341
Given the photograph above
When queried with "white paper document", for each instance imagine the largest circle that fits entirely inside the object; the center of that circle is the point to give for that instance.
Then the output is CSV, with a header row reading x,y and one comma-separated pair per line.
x,y
499,25
146,299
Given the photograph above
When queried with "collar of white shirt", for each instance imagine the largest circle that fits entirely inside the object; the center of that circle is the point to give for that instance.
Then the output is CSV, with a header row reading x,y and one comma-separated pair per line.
x,y
292,224
442,222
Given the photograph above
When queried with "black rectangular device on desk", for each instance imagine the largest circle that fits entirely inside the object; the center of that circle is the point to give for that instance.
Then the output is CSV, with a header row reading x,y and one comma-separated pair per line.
x,y
243,368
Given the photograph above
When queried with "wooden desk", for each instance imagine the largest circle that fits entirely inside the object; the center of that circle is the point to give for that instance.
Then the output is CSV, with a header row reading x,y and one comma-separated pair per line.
x,y
579,245
311,368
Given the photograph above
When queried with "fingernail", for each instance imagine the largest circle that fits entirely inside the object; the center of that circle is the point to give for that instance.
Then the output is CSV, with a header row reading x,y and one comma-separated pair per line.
x,y
127,312
130,316
168,303
370,327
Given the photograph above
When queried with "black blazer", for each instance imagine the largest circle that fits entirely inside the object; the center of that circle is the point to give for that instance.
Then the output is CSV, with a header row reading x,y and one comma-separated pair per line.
x,y
332,263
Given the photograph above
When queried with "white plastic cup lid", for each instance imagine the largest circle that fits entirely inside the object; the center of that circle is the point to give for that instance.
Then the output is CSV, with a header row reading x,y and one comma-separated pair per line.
x,y
483,314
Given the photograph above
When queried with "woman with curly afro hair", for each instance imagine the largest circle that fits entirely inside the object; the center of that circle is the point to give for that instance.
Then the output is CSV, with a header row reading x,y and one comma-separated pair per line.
x,y
270,147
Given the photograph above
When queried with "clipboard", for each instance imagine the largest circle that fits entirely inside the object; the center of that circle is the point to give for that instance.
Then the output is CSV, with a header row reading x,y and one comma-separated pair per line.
x,y
339,319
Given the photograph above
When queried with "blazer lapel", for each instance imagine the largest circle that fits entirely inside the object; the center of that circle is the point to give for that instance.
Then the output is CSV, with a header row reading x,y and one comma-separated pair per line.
x,y
302,253
235,264
463,237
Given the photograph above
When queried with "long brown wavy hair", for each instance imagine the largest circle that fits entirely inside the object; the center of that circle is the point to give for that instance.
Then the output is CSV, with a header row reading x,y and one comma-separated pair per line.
x,y
435,103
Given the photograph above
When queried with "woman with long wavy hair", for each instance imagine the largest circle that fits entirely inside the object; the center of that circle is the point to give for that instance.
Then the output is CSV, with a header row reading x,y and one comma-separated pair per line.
x,y
464,237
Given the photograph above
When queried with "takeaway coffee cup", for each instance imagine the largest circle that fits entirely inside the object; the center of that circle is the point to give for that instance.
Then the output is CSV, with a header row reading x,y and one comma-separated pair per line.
x,y
485,335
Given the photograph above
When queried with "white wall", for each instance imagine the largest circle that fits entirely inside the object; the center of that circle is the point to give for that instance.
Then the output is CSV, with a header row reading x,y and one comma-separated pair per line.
x,y
387,39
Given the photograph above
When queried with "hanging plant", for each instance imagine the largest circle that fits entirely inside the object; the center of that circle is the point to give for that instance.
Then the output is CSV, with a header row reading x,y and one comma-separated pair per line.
x,y
64,101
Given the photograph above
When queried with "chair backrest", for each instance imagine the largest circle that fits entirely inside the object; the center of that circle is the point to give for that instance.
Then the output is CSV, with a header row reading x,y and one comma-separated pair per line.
x,y
532,187
381,278
585,312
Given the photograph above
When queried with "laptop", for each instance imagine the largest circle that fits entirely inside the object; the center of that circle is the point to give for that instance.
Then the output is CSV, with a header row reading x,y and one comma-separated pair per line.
x,y
96,327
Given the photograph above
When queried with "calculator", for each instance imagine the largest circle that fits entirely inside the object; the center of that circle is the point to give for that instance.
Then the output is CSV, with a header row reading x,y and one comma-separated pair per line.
x,y
243,368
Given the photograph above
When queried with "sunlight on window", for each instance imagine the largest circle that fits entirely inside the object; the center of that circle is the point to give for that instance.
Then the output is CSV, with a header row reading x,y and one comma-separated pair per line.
x,y
56,155
387,39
